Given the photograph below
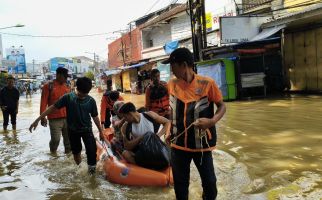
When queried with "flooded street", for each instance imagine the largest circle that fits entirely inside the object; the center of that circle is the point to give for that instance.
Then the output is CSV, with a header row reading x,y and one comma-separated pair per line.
x,y
267,149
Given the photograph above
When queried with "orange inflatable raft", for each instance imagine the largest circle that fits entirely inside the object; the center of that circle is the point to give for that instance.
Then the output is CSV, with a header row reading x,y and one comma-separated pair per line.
x,y
119,171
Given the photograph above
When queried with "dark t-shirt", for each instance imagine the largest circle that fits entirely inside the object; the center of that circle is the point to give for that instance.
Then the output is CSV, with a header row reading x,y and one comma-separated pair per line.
x,y
79,111
9,98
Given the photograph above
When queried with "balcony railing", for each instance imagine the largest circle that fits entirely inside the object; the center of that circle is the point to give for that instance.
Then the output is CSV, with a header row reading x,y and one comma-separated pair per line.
x,y
252,4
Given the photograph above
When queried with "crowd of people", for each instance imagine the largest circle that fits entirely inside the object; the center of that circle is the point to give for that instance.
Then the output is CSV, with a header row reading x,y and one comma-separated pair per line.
x,y
183,110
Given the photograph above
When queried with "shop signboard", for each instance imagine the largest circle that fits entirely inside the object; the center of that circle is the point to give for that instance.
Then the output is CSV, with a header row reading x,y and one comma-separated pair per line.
x,y
240,29
16,55
61,62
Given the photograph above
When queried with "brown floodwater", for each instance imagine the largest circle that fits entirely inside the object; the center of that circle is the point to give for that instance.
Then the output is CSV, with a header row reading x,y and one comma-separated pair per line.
x,y
267,149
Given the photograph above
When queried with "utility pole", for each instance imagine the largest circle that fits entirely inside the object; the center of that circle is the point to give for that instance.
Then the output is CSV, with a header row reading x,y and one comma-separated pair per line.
x,y
94,63
198,28
33,67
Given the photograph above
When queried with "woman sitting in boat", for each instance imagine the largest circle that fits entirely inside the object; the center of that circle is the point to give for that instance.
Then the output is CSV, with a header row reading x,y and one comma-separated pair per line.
x,y
136,125
117,123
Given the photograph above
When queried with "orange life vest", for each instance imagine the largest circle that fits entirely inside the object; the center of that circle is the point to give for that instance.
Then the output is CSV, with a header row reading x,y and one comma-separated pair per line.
x,y
189,102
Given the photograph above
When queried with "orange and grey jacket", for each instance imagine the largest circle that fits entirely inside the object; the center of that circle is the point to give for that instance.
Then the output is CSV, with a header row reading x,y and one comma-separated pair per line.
x,y
157,99
107,105
189,102
51,92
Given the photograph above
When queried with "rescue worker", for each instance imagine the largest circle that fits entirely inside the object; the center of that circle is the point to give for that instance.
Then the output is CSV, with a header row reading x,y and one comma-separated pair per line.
x,y
156,95
107,102
51,92
193,132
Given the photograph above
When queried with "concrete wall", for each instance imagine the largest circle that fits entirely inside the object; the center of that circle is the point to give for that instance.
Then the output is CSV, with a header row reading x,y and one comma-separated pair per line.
x,y
180,27
130,44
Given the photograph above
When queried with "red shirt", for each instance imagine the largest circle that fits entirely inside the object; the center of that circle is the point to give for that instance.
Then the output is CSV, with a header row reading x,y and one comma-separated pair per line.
x,y
48,98
107,103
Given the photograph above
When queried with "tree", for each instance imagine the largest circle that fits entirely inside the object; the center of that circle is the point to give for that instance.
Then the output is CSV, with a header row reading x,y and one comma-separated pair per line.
x,y
89,75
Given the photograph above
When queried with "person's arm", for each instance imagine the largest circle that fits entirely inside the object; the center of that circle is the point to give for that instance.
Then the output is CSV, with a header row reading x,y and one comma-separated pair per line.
x,y
62,102
44,103
118,123
49,110
103,109
17,105
214,95
1,98
161,120
205,123
94,115
99,127
129,144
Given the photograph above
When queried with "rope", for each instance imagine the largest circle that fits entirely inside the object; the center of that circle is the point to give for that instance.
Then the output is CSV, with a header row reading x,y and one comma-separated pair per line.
x,y
203,134
105,146
186,129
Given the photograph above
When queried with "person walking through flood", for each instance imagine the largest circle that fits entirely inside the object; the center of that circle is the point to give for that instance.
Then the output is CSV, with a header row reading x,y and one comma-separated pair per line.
x,y
28,89
51,92
193,135
80,109
9,102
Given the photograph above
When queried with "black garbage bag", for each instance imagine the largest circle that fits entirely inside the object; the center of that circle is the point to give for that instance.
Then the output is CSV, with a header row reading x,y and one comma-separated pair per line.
x,y
152,153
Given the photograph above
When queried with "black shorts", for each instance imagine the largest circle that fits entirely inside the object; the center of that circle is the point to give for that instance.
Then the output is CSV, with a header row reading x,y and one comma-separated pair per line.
x,y
89,142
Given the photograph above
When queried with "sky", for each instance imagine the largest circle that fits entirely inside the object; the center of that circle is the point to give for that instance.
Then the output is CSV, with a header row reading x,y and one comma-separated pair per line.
x,y
66,18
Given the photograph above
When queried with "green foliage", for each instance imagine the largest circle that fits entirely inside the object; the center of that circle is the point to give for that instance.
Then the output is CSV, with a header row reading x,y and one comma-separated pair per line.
x,y
90,75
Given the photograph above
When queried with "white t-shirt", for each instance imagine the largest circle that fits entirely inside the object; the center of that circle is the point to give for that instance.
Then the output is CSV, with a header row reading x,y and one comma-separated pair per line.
x,y
144,126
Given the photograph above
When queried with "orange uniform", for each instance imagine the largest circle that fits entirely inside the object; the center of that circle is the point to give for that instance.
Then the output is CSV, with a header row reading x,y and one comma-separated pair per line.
x,y
188,102
107,105
51,92
156,104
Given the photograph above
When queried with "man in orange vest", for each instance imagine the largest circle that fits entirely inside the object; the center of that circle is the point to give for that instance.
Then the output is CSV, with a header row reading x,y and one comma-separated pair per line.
x,y
51,92
193,132
156,95
107,103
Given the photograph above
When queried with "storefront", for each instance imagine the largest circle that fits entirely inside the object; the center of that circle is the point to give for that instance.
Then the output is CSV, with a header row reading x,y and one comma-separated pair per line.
x,y
301,48
258,66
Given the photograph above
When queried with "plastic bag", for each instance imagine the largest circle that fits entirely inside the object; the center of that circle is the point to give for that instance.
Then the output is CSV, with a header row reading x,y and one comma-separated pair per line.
x,y
152,152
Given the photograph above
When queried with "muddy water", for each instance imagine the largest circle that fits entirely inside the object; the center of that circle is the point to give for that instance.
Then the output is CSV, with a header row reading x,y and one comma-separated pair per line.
x,y
267,149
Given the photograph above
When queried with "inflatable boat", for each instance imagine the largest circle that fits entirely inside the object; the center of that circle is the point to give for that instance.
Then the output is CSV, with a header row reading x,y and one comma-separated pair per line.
x,y
119,171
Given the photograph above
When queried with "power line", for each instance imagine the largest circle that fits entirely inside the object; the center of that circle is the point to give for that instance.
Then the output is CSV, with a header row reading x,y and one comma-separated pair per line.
x,y
58,36
155,3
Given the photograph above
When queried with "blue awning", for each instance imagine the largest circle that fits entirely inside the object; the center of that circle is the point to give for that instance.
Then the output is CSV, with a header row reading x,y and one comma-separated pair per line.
x,y
109,72
170,46
133,66
112,72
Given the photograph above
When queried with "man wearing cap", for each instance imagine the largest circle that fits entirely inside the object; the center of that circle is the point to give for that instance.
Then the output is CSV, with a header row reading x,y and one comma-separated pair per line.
x,y
51,92
9,102
193,132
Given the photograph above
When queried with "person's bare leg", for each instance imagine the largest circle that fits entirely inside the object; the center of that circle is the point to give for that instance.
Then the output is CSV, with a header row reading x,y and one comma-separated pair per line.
x,y
78,158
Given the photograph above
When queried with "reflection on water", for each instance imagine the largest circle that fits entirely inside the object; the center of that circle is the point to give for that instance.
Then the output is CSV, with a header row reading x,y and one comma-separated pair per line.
x,y
267,149
278,140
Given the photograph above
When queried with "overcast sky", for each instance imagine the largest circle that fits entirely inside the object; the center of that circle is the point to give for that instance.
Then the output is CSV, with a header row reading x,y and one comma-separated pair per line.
x,y
68,17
